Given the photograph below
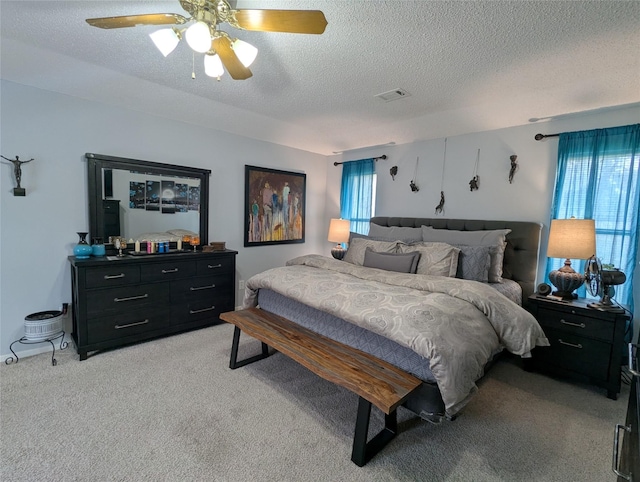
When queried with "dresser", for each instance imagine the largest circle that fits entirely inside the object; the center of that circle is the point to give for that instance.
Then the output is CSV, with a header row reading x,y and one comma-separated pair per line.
x,y
117,301
626,455
586,343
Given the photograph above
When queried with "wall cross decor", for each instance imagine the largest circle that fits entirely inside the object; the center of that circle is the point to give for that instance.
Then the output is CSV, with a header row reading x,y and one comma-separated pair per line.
x,y
17,171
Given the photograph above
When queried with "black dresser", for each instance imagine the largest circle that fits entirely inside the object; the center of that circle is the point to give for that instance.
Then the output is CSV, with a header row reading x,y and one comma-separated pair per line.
x,y
626,456
135,298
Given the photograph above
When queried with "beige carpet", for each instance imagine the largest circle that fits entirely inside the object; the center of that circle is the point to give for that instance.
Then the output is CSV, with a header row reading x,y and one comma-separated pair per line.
x,y
172,410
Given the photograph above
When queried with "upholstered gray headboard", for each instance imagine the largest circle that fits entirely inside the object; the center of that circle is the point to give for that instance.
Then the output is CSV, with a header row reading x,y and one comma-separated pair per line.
x,y
523,243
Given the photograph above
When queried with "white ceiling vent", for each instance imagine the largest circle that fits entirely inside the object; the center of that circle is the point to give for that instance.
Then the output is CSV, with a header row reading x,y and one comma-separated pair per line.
x,y
394,94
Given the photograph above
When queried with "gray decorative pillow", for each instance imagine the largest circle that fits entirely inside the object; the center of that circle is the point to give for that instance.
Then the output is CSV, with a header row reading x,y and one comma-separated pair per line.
x,y
358,246
395,233
437,259
400,262
495,238
473,263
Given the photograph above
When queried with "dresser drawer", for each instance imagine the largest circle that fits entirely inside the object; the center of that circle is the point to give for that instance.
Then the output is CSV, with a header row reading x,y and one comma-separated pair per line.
x,y
222,264
576,324
115,275
204,287
167,270
581,355
127,323
194,310
122,299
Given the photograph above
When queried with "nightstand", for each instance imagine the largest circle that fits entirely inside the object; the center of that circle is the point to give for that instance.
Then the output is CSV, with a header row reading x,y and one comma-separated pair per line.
x,y
586,343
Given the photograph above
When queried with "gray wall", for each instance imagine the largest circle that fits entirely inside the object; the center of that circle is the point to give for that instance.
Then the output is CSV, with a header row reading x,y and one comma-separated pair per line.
x,y
37,232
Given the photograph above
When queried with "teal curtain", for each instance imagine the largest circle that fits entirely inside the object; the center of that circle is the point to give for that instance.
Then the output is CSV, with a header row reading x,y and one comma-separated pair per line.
x,y
597,178
356,193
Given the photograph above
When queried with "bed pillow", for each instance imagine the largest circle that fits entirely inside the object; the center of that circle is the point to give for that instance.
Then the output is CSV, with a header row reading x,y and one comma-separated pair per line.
x,y
400,262
437,259
394,233
358,246
181,232
495,238
474,262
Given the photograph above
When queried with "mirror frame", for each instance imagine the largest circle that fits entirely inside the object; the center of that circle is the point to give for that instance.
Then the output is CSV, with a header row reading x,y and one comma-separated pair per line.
x,y
97,162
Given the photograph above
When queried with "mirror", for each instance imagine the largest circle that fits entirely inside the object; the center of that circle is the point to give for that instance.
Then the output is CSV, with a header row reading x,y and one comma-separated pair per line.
x,y
134,199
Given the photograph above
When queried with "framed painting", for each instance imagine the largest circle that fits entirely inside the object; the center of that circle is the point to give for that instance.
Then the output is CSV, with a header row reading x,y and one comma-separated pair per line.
x,y
274,206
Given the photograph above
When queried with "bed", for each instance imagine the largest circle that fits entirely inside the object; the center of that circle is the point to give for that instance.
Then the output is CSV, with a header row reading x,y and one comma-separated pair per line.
x,y
429,322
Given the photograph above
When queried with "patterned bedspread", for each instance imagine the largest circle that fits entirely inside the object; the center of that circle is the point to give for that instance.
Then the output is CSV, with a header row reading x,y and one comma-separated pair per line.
x,y
456,324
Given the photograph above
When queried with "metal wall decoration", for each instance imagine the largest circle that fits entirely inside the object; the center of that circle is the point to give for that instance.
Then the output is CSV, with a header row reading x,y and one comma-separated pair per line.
x,y
414,187
17,171
274,206
514,168
440,206
474,184
393,171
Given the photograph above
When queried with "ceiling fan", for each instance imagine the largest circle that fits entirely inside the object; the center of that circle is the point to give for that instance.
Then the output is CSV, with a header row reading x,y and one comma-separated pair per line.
x,y
204,35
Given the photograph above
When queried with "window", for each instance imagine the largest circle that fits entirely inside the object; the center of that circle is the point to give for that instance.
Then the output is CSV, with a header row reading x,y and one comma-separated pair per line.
x,y
357,194
598,178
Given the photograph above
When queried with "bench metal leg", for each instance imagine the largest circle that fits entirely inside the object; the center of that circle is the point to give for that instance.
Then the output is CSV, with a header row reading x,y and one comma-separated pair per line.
x,y
233,361
364,451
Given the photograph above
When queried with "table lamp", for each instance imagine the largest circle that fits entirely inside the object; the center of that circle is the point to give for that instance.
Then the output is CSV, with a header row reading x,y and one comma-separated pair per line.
x,y
339,233
571,239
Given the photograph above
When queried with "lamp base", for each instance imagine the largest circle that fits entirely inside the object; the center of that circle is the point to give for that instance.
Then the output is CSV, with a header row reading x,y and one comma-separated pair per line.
x,y
338,252
566,280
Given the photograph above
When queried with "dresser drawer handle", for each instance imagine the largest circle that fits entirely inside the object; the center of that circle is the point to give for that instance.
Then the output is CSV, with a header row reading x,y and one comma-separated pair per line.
x,y
193,312
174,270
616,440
578,325
143,322
570,344
113,276
198,288
131,298
211,266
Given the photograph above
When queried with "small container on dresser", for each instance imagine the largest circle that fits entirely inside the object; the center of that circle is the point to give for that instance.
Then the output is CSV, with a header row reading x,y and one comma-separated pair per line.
x,y
626,456
136,298
585,343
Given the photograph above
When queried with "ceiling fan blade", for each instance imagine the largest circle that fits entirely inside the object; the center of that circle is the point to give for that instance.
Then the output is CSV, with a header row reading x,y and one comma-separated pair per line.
x,y
289,21
133,20
231,62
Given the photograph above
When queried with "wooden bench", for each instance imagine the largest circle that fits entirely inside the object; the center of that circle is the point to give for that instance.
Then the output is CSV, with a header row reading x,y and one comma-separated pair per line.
x,y
374,381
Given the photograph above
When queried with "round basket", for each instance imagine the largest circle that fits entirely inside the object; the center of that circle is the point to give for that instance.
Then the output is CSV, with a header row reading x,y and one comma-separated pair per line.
x,y
43,325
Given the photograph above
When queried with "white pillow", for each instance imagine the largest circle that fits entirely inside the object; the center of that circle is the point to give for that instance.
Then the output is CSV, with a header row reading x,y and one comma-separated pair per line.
x,y
495,238
438,259
358,246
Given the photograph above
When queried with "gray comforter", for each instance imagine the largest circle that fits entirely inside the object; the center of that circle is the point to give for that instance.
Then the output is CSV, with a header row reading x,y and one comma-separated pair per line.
x,y
456,324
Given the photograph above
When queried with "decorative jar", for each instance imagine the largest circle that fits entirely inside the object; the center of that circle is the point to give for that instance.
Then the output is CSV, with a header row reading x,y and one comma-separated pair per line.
x,y
82,250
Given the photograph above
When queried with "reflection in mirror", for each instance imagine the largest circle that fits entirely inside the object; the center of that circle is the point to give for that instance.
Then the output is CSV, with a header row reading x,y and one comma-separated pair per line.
x,y
146,201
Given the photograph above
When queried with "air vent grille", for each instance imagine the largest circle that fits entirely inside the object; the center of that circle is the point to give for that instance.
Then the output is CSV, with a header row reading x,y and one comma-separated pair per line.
x,y
394,94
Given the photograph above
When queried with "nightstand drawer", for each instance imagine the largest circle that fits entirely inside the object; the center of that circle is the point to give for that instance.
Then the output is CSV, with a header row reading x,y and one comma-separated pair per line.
x,y
581,355
576,324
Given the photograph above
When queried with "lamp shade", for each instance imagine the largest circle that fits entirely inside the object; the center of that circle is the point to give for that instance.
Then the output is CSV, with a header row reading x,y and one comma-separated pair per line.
x,y
213,66
339,230
246,52
165,39
198,37
572,238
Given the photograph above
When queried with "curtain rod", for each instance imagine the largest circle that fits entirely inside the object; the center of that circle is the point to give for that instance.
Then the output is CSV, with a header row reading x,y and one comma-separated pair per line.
x,y
539,137
383,157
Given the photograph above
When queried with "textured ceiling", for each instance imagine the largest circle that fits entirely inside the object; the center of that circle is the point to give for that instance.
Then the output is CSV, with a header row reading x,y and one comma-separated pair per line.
x,y
468,66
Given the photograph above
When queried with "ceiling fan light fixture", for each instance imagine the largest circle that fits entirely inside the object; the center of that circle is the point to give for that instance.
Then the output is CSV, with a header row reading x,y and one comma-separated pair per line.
x,y
246,52
166,40
198,37
213,66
